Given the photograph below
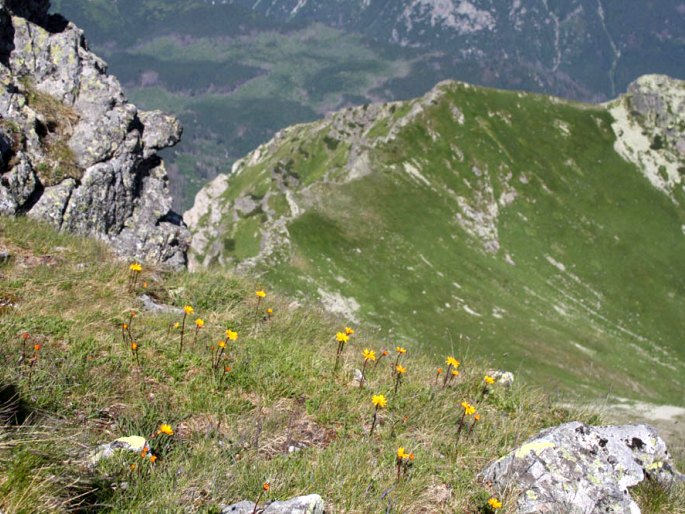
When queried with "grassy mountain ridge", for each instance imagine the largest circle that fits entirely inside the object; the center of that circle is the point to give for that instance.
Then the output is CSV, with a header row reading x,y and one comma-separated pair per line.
x,y
499,223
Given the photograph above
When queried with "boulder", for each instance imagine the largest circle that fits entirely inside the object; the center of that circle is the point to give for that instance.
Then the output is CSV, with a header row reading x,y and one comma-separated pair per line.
x,y
575,468
130,444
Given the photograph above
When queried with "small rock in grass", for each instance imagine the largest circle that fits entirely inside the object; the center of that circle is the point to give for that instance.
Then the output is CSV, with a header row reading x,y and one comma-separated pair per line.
x,y
133,443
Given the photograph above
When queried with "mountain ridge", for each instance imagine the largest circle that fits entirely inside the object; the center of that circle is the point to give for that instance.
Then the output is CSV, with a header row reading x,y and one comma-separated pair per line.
x,y
365,211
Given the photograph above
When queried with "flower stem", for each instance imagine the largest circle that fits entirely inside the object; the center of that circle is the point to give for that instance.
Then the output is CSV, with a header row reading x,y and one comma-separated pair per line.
x,y
183,329
373,423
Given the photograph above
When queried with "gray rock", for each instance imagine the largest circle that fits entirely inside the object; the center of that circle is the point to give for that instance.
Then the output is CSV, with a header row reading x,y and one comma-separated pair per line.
x,y
5,255
575,468
62,111
502,378
311,504
134,444
161,131
151,306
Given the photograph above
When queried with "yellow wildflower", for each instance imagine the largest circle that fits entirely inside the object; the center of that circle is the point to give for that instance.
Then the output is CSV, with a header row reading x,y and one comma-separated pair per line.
x,y
222,344
260,293
369,355
135,267
342,337
188,309
269,311
153,459
489,380
401,454
476,417
495,503
134,347
451,361
400,369
400,350
266,486
231,335
165,429
455,372
177,325
199,323
468,408
439,371
349,331
379,401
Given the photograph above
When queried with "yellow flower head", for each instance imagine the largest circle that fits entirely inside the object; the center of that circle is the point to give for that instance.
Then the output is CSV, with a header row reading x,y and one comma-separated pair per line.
x,y
400,369
153,459
439,371
266,486
231,335
134,346
165,429
260,293
135,267
369,355
495,503
385,353
177,325
349,331
199,323
124,326
269,311
379,401
455,372
468,408
401,454
222,344
476,417
342,337
188,309
489,380
400,350
451,361
411,457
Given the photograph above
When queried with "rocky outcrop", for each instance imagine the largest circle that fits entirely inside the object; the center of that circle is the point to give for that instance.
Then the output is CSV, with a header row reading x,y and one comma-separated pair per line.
x,y
576,468
73,151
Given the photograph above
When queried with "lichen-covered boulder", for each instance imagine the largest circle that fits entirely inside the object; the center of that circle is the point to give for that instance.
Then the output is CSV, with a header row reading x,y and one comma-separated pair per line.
x,y
73,151
311,504
575,468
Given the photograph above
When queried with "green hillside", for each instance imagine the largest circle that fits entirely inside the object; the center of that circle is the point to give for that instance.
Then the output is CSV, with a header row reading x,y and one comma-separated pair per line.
x,y
490,223
274,410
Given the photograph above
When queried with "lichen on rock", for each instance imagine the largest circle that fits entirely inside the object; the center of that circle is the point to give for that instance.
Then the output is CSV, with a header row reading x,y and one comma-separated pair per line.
x,y
75,153
577,468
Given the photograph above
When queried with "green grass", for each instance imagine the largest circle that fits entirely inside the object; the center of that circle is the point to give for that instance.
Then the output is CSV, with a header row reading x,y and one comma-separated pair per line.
x,y
590,306
231,434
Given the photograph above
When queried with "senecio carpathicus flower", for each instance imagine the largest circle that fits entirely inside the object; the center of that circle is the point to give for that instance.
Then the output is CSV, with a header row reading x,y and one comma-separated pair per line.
x,y
165,429
400,350
369,355
494,503
260,293
468,408
135,267
231,335
133,271
266,486
188,309
379,402
349,331
452,364
342,337
199,323
221,344
489,380
400,369
403,461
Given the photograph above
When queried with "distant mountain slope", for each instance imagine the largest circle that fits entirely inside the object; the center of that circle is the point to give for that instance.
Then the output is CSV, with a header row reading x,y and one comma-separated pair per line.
x,y
237,71
543,233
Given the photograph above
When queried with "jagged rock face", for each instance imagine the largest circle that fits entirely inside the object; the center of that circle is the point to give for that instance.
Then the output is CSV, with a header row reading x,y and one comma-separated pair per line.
x,y
73,151
576,468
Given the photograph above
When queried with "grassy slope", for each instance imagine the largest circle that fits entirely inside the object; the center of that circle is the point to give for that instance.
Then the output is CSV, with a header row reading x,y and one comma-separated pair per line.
x,y
609,322
71,296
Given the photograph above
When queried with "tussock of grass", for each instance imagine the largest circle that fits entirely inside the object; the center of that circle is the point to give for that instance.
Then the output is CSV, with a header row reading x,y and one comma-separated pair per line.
x,y
233,435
